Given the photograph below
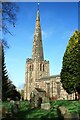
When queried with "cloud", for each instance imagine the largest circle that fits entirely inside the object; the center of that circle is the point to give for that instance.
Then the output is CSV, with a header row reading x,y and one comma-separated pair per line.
x,y
47,34
44,34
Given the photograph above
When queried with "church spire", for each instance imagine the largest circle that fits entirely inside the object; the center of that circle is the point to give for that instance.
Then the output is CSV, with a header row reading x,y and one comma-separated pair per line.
x,y
37,50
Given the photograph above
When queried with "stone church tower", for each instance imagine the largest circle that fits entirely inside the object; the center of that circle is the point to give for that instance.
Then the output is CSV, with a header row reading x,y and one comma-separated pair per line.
x,y
36,67
37,71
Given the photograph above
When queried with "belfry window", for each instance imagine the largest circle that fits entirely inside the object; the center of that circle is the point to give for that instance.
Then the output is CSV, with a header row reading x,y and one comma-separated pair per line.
x,y
30,67
43,67
40,67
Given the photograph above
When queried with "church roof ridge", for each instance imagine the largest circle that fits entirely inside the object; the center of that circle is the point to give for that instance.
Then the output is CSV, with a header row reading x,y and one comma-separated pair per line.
x,y
48,77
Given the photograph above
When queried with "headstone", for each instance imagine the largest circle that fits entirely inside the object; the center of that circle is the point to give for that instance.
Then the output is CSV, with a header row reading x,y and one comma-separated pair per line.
x,y
14,109
45,106
70,116
17,104
67,115
14,106
63,110
11,102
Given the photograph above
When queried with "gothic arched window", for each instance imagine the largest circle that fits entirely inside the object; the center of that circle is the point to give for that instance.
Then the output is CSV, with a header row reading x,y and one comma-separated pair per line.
x,y
32,67
40,67
43,67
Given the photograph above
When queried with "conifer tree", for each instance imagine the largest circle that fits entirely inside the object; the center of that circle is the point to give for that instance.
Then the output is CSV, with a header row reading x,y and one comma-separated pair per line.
x,y
5,82
0,70
70,73
8,88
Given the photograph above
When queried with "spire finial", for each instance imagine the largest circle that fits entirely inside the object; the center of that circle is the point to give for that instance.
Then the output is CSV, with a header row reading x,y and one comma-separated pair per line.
x,y
38,6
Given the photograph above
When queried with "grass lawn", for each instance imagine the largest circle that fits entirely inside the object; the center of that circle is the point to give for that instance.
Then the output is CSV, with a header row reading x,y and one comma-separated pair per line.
x,y
72,106
26,112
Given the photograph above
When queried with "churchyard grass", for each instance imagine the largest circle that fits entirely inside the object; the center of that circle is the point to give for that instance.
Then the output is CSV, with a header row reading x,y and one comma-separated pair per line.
x,y
6,105
72,106
26,112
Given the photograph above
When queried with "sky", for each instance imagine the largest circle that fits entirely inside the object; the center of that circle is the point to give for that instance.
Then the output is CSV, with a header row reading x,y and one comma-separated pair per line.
x,y
58,21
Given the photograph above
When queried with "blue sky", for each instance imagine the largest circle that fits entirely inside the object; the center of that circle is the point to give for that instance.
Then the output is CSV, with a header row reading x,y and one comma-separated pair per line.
x,y
58,22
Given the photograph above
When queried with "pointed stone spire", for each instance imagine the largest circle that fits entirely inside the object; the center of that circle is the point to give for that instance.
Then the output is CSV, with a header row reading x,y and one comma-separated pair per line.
x,y
37,50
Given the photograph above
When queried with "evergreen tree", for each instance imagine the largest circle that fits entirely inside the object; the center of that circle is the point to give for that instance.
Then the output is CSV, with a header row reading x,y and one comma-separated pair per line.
x,y
8,89
0,70
70,73
5,82
78,57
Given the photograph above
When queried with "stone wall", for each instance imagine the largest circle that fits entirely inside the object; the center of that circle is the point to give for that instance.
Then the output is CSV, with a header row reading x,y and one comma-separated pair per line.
x,y
53,88
34,70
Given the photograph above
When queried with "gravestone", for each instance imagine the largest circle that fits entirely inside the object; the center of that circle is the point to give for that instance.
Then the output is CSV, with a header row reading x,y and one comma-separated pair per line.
x,y
45,106
14,106
67,115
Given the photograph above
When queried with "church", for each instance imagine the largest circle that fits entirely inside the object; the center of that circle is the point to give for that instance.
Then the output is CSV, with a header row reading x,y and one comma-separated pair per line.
x,y
37,74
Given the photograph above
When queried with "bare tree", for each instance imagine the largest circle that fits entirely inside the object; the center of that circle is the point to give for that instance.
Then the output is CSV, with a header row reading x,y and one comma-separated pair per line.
x,y
8,19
